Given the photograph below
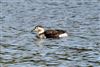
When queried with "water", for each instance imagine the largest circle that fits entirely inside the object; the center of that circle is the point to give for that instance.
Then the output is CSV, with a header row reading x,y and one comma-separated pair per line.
x,y
20,48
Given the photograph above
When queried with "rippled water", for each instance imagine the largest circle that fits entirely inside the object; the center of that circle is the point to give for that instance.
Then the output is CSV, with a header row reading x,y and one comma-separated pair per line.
x,y
20,48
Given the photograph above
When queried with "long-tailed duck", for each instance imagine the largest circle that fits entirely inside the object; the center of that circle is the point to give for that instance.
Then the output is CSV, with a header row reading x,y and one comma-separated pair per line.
x,y
42,33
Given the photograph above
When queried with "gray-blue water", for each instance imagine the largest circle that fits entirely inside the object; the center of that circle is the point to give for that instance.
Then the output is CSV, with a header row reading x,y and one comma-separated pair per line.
x,y
20,48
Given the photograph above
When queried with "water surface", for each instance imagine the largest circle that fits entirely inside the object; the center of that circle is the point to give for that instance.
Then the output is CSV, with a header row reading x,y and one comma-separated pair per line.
x,y
20,48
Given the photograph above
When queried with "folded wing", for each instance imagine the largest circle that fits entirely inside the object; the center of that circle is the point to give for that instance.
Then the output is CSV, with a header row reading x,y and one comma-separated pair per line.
x,y
53,33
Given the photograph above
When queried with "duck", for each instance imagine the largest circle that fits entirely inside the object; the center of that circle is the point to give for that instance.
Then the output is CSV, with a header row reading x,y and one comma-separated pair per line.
x,y
52,33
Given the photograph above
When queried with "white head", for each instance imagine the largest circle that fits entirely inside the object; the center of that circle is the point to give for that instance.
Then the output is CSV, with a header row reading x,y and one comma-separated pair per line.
x,y
39,29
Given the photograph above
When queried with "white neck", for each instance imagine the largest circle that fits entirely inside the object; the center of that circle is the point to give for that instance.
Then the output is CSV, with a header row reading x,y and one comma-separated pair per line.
x,y
41,31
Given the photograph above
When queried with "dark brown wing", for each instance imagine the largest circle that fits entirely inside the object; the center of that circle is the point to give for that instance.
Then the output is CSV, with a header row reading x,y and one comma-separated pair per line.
x,y
53,33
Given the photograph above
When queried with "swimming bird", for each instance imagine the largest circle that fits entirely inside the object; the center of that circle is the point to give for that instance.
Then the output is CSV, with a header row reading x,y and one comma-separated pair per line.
x,y
52,33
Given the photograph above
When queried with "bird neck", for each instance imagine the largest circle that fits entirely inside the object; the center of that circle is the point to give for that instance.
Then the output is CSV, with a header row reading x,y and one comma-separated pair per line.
x,y
41,31
41,36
